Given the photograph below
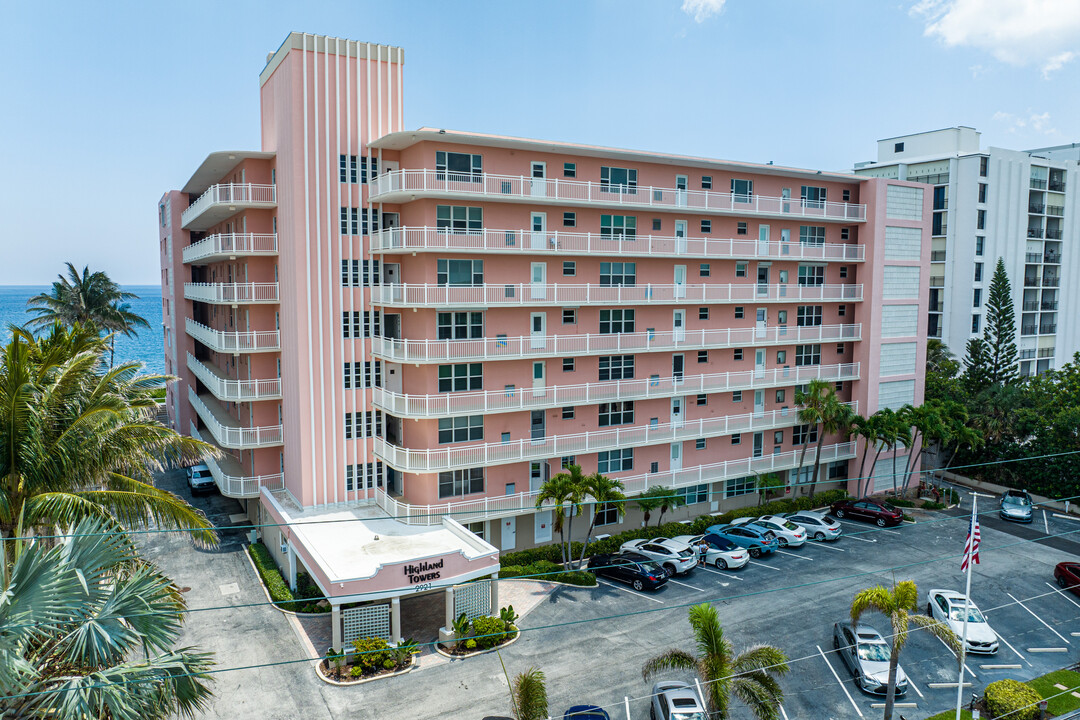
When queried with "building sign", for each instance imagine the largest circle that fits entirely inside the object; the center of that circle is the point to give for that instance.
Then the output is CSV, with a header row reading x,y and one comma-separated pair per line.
x,y
423,572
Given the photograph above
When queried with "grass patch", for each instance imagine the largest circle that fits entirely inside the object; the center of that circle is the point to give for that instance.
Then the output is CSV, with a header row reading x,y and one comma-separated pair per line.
x,y
951,715
1063,703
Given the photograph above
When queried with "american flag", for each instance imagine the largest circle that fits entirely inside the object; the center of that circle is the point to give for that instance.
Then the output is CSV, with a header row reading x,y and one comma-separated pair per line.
x,y
971,546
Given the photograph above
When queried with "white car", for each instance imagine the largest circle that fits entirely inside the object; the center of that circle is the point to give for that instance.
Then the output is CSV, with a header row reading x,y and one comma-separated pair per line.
x,y
722,553
947,606
817,525
677,558
787,533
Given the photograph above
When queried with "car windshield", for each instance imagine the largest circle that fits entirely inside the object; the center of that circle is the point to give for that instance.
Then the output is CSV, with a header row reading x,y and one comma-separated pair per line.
x,y
1020,500
722,544
650,567
957,613
829,521
200,474
688,716
788,525
874,652
888,507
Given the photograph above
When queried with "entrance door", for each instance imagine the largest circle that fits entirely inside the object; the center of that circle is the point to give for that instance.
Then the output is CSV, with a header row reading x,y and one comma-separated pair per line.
x,y
391,326
762,322
759,363
680,281
763,280
542,527
538,223
537,476
680,236
759,403
763,240
538,379
759,444
538,334
785,239
509,533
539,281
785,194
539,184
676,456
678,325
538,424
678,365
391,274
392,377
680,190
676,412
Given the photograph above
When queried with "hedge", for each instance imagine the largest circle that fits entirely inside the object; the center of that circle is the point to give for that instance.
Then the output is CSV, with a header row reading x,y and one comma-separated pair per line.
x,y
279,590
545,570
1017,700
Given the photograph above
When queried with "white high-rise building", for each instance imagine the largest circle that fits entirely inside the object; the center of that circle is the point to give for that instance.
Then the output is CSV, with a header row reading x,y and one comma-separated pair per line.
x,y
1020,205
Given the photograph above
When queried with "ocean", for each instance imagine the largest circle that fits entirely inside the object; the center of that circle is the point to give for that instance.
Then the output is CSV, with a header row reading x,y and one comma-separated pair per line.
x,y
148,347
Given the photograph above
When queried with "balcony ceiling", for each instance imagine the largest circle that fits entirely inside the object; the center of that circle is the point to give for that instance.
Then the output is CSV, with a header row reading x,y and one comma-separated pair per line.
x,y
217,165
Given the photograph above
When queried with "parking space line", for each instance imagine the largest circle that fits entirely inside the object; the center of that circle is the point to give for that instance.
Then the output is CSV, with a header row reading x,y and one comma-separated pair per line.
x,y
1002,666
783,712
842,686
954,655
1012,648
891,532
1039,619
826,544
795,555
860,539
1058,591
939,685
722,574
1065,517
755,562
632,592
1048,650
686,585
878,706
914,687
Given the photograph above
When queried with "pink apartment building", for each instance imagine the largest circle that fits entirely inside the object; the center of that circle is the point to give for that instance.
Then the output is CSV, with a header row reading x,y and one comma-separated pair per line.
x,y
396,336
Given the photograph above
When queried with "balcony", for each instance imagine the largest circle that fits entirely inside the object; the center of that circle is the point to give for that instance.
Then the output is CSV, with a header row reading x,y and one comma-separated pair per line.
x,y
227,431
232,293
1038,183
938,306
524,242
1055,210
233,342
529,398
1048,329
1036,208
1034,232
540,346
487,508
937,256
1027,330
229,246
1030,305
560,294
1053,258
1053,234
229,390
1046,305
1046,352
1051,281
1057,185
1033,257
398,186
231,478
937,281
221,202
1027,354
1031,281
488,454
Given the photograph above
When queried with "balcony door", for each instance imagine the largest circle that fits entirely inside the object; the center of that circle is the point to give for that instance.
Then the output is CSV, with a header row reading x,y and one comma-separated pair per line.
x,y
677,417
681,184
759,403
538,330
680,236
676,456
538,425
763,279
762,322
678,325
678,367
539,380
538,223
759,363
680,281
763,240
539,181
539,281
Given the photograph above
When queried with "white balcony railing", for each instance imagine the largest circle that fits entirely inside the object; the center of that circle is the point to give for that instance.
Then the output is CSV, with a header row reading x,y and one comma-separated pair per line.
x,y
469,456
231,293
515,348
231,480
230,245
227,432
233,342
486,508
221,201
534,294
404,185
525,242
530,398
233,390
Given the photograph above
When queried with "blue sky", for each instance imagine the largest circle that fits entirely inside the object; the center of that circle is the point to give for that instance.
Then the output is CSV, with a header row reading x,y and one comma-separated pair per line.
x,y
107,105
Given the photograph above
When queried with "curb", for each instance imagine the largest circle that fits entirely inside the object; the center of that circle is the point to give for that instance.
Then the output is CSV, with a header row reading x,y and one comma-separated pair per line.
x,y
361,681
478,652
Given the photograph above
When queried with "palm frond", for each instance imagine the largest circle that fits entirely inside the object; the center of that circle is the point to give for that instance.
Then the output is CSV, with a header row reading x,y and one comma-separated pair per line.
x,y
876,599
939,630
673,659
530,695
760,692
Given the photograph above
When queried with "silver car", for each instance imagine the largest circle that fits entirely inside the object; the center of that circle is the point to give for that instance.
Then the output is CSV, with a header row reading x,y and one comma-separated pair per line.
x,y
818,526
673,700
866,655
1016,505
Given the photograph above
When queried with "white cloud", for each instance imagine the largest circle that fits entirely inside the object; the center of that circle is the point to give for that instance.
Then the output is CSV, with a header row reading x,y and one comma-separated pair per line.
x,y
702,10
1019,32
1029,122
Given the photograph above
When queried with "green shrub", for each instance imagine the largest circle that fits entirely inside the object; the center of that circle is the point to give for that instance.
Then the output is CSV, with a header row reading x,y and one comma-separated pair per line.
x,y
510,571
356,671
901,502
931,505
372,654
577,577
489,631
271,576
1013,698
542,570
470,644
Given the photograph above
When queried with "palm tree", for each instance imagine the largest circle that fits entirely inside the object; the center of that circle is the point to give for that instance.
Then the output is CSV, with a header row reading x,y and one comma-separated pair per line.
x,y
658,498
90,630
84,299
900,606
837,419
766,484
565,491
887,435
811,402
606,493
928,424
866,428
528,696
77,442
751,676
902,422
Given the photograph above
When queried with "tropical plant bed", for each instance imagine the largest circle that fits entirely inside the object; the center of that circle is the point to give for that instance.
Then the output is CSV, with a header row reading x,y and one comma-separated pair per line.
x,y
547,571
344,676
370,658
453,651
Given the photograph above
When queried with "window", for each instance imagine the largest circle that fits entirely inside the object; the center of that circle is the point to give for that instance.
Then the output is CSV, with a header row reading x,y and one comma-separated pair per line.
x,y
736,396
740,228
739,312
615,460
976,297
694,493
350,221
618,273
458,218
704,270
841,310
606,514
699,444
461,377
843,272
360,476
569,219
781,394
616,413
740,269
781,357
980,220
460,325
812,275
736,439
812,234
357,273
975,323
461,429
978,271
357,324
363,375
568,413
613,179
568,365
703,313
703,356
979,241
847,196
616,321
619,226
802,434
740,486
742,190
807,355
808,316
347,168
982,192
737,354
845,234
778,437
459,272
813,197
569,268
984,166
569,169
938,225
702,399
839,348
461,482
616,367
840,386
898,147
372,427
941,197
706,226
656,224
459,167
706,182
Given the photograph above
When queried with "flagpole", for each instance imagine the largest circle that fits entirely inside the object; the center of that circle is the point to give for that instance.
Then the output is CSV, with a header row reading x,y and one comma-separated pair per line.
x,y
969,546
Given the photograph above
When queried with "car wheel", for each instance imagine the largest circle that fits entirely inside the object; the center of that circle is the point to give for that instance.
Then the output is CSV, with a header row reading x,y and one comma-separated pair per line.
x,y
929,609
819,536
652,713
755,552
881,522
638,585
1061,581
782,541
839,513
669,570
835,643
720,564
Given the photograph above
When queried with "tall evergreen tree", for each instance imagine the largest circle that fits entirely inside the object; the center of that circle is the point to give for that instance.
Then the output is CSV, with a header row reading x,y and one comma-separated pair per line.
x,y
1000,332
977,366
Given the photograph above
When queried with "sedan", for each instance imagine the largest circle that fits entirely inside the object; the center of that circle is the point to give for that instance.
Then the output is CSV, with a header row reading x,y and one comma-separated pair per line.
x,y
818,526
866,655
787,533
947,606
748,537
1016,505
675,557
875,511
636,570
672,700
586,712
722,553
1067,575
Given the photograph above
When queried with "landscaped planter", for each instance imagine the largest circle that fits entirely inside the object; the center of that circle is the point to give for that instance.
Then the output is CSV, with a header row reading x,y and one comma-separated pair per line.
x,y
327,674
452,651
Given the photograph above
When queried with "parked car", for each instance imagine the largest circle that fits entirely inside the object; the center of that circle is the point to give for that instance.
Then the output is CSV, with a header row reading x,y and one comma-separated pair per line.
x,y
866,655
1067,575
722,553
746,536
586,712
634,569
787,533
1016,505
676,557
947,606
876,511
817,525
200,481
673,700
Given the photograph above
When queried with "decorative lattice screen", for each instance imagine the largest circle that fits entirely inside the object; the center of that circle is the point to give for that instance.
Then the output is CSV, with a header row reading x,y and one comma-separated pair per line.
x,y
473,599
366,621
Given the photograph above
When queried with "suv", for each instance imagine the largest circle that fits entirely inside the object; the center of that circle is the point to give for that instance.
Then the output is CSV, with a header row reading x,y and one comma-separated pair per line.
x,y
199,479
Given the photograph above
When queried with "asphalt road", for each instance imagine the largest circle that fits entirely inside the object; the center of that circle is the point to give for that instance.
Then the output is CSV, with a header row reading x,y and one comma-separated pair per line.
x,y
592,642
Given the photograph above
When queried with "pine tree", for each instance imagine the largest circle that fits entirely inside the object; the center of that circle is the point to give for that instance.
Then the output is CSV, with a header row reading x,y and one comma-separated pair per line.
x,y
977,366
1000,329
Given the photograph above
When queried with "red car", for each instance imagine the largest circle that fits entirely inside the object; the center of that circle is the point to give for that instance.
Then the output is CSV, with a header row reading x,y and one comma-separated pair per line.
x,y
1067,575
875,511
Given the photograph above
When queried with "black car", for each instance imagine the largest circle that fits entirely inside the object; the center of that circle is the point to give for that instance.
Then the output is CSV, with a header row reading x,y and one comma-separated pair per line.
x,y
634,569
